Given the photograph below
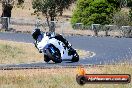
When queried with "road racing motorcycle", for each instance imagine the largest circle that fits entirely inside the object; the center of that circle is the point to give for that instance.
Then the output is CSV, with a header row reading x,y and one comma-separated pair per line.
x,y
54,47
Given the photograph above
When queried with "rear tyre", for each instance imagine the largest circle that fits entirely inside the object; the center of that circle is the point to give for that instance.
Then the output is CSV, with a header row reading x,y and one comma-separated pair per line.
x,y
75,57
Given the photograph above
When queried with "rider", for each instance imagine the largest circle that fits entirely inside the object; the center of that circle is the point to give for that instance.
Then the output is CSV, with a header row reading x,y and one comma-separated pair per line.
x,y
39,36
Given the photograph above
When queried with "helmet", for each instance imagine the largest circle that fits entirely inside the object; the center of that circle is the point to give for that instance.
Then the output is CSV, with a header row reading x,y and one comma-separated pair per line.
x,y
36,33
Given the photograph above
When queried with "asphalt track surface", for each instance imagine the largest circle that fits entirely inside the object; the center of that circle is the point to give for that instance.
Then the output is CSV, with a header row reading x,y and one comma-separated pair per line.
x,y
108,50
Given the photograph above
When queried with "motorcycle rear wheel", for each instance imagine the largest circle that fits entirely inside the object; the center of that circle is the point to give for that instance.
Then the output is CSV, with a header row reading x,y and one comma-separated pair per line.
x,y
75,57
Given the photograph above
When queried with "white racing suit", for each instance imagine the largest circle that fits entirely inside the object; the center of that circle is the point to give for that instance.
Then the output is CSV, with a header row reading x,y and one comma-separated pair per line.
x,y
45,40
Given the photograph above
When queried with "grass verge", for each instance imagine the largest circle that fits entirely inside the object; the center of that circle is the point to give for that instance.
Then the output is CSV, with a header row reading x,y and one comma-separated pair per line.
x,y
59,78
16,52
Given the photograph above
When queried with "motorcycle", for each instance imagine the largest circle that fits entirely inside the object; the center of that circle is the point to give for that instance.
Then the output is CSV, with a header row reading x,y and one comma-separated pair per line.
x,y
56,50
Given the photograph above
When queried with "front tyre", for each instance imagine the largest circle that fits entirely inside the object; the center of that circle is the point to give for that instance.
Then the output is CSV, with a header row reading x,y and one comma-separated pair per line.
x,y
46,58
57,57
54,54
57,60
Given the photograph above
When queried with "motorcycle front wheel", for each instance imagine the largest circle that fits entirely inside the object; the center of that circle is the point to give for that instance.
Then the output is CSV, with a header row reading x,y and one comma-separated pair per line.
x,y
46,58
56,56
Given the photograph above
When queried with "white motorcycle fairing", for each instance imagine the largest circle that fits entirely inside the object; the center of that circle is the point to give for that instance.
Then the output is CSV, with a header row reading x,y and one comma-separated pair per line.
x,y
58,44
43,43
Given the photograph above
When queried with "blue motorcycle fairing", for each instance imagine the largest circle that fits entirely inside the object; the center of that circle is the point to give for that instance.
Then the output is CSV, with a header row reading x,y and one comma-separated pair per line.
x,y
49,46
